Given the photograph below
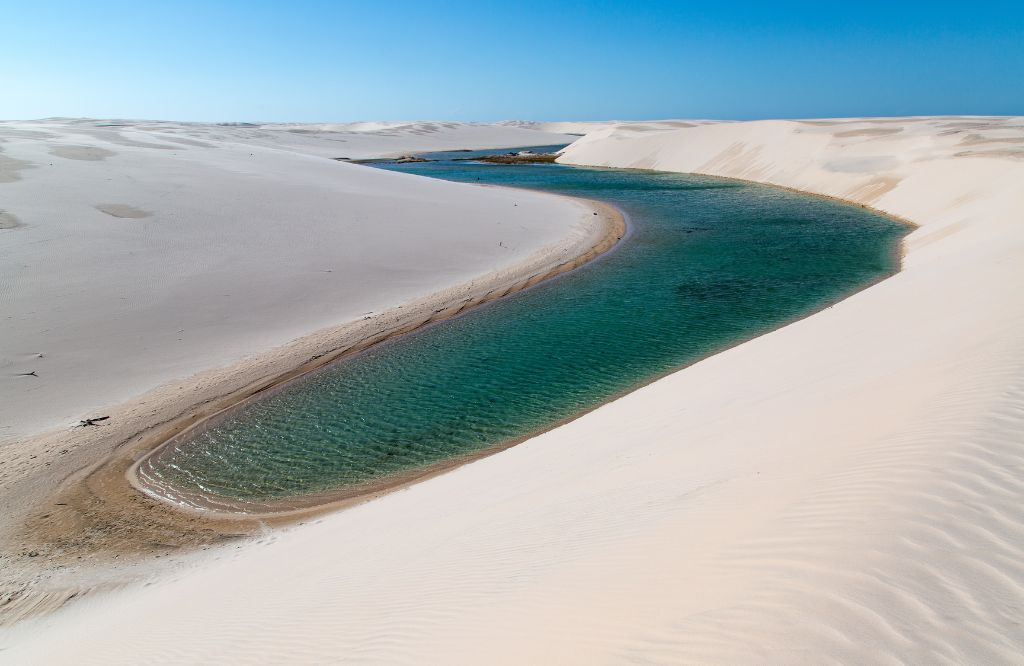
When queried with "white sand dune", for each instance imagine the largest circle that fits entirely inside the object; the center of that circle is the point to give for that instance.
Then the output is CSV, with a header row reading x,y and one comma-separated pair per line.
x,y
136,253
847,489
589,126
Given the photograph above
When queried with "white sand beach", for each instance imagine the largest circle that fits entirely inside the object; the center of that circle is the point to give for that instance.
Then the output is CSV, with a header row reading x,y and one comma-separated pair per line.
x,y
846,489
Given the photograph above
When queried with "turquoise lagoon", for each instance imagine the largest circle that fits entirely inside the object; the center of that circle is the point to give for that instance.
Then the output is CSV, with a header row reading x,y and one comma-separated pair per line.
x,y
708,263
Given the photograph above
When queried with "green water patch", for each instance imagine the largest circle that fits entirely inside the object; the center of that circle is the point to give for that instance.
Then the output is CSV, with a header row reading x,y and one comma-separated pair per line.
x,y
708,263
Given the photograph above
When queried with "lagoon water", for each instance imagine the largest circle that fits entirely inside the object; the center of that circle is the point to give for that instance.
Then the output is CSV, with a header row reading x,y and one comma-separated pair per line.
x,y
709,263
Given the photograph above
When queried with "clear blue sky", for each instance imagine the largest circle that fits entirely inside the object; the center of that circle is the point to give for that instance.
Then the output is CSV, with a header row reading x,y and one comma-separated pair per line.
x,y
322,61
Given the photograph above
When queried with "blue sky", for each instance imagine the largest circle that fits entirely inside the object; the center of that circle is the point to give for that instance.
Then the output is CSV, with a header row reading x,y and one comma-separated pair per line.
x,y
336,61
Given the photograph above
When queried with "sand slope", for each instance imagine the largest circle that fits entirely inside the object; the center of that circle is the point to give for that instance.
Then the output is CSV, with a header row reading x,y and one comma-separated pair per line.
x,y
846,489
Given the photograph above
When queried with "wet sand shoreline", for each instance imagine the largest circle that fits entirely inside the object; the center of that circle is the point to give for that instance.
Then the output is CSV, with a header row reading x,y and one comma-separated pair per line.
x,y
103,510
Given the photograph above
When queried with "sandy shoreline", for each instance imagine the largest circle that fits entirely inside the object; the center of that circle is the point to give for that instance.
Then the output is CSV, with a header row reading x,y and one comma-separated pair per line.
x,y
610,228
107,510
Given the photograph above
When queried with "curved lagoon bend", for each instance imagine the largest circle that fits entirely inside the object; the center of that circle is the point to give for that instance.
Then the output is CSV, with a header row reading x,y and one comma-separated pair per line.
x,y
709,263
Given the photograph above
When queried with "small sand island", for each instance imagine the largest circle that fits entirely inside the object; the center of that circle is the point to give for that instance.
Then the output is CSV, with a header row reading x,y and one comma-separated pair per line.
x,y
516,157
404,159
714,354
